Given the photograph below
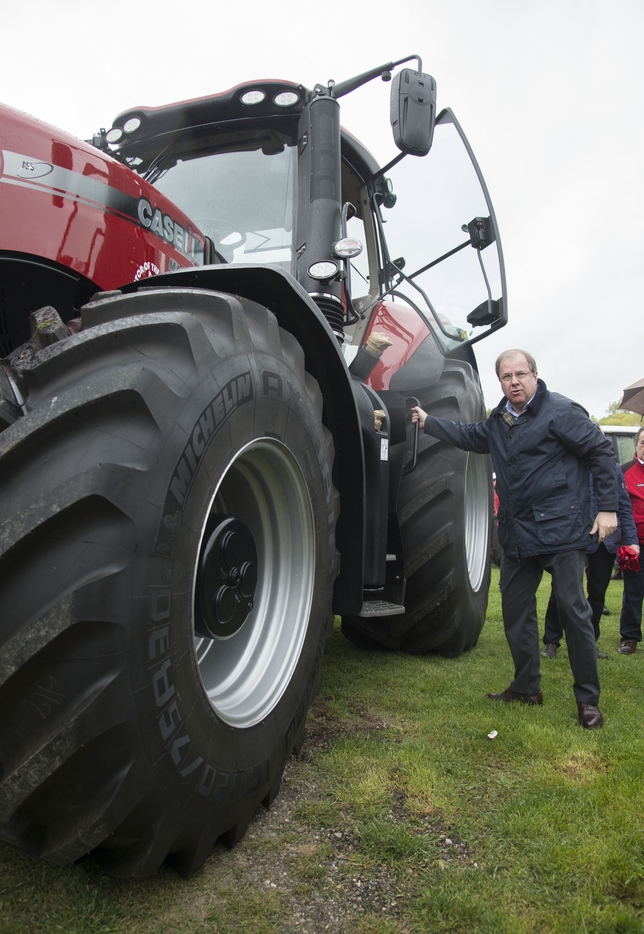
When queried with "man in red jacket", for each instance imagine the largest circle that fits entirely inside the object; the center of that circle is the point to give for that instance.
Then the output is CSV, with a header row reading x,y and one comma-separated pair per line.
x,y
630,623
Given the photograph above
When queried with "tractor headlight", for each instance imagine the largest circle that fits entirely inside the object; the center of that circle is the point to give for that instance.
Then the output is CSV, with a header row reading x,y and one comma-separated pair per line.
x,y
347,248
286,98
323,270
131,125
253,97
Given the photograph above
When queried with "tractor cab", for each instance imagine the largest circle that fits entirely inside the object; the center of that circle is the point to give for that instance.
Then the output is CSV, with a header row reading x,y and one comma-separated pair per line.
x,y
267,174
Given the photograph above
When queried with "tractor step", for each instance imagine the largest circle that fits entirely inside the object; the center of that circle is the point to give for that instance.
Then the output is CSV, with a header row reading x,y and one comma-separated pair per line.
x,y
380,608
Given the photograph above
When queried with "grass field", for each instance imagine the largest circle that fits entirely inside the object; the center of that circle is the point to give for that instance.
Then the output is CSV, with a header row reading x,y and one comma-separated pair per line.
x,y
401,796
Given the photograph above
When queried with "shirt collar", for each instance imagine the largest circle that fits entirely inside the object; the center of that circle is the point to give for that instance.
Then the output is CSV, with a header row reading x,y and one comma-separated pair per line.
x,y
517,414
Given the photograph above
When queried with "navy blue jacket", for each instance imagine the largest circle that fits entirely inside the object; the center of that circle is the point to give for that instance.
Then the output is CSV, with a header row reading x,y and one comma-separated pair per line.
x,y
542,461
626,533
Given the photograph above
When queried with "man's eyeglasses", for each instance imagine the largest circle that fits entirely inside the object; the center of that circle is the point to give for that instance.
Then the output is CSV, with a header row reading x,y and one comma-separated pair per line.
x,y
510,376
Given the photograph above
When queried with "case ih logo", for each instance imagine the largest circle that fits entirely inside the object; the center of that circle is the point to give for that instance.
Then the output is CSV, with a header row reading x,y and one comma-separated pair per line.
x,y
62,183
165,227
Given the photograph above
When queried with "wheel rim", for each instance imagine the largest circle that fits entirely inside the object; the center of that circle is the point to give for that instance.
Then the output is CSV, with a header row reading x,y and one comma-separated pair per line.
x,y
245,673
477,522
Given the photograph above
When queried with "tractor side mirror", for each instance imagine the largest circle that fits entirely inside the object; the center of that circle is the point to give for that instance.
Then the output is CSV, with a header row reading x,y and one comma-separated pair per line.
x,y
413,111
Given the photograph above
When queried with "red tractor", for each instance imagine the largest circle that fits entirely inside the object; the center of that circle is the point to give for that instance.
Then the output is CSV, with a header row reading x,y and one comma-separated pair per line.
x,y
214,319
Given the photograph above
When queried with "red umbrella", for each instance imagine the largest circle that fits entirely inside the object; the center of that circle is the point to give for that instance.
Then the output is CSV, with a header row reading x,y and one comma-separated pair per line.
x,y
633,398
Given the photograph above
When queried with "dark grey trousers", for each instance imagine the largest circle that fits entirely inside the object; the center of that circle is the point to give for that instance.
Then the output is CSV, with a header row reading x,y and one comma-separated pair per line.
x,y
520,578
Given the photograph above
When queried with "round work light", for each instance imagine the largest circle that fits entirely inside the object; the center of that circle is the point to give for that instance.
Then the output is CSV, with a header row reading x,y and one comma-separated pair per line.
x,y
253,97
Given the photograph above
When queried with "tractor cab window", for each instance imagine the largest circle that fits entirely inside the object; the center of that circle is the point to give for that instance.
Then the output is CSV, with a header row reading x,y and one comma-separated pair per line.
x,y
241,194
362,269
359,265
440,232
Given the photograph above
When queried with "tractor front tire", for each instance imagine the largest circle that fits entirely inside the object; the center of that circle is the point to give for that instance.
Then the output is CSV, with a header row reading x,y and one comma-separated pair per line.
x,y
167,558
445,513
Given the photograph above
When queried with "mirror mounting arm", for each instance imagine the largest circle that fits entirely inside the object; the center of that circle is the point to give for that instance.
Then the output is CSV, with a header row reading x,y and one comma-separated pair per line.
x,y
351,84
389,166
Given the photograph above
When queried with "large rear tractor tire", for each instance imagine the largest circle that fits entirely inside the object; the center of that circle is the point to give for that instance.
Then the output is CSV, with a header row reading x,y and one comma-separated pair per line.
x,y
446,512
167,557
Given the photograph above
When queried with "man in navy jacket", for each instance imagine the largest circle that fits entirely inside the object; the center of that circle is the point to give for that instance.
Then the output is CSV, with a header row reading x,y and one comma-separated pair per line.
x,y
543,448
600,561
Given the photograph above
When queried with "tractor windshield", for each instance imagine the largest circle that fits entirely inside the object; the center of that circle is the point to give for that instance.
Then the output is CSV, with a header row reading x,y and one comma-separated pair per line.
x,y
243,199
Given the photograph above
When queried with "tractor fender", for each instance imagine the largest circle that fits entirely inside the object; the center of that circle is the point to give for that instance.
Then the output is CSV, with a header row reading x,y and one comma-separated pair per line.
x,y
275,289
27,283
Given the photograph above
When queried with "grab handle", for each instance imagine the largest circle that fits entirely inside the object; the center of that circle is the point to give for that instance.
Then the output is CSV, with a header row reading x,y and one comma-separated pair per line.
x,y
411,465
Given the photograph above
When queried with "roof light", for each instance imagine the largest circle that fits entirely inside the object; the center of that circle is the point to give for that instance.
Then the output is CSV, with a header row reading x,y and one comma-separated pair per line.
x,y
348,247
114,135
131,125
286,98
253,97
324,270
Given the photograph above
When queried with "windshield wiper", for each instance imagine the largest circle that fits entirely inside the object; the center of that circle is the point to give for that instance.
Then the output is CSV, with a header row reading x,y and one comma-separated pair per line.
x,y
155,168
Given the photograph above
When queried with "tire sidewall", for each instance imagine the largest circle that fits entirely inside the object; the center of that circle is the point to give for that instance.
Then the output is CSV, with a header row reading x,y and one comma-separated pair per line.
x,y
472,603
207,767
475,600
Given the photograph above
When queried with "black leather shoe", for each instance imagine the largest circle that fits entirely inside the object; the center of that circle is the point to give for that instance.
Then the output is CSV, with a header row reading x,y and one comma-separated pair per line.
x,y
549,650
601,654
535,700
590,716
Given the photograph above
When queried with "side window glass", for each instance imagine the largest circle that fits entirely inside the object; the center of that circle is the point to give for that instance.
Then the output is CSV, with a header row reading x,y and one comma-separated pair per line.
x,y
458,287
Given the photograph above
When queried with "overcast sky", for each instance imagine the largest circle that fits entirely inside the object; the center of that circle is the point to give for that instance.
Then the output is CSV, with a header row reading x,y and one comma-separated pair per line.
x,y
549,92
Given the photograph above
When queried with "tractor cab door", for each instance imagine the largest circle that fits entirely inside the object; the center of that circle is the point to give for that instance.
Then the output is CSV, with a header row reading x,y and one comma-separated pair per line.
x,y
440,244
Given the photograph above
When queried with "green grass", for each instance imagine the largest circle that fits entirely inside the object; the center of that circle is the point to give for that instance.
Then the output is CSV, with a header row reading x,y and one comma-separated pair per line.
x,y
550,813
539,831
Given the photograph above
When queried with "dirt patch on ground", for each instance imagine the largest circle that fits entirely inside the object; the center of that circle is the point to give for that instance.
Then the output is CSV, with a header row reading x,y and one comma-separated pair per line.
x,y
323,728
583,767
318,871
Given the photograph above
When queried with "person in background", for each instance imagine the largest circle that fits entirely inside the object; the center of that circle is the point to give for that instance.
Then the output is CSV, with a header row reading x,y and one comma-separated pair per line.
x,y
600,560
630,621
543,448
